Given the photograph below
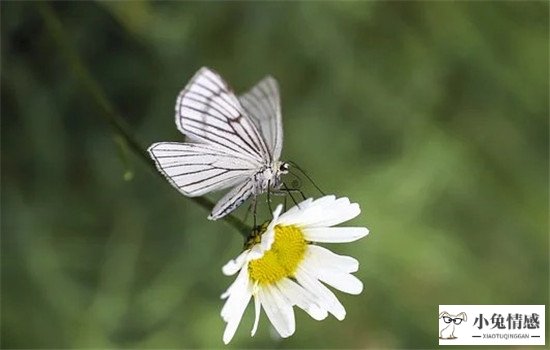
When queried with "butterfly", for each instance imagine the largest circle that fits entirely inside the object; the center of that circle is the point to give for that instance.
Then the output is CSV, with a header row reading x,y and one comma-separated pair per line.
x,y
232,142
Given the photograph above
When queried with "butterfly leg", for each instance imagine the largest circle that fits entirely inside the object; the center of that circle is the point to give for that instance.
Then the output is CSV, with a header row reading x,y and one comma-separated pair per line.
x,y
247,212
254,205
297,190
269,198
289,191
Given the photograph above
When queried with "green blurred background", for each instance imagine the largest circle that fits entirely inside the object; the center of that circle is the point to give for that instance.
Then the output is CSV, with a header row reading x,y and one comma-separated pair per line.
x,y
433,116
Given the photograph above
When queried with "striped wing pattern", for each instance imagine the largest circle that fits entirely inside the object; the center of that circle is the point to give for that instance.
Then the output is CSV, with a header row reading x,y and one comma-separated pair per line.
x,y
208,111
232,200
262,103
195,169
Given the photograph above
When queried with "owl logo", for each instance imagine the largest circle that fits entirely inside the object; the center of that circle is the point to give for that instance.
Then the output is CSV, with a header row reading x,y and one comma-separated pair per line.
x,y
447,330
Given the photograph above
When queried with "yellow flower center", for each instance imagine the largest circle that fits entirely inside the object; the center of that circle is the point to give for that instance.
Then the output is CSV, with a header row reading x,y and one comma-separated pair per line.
x,y
287,251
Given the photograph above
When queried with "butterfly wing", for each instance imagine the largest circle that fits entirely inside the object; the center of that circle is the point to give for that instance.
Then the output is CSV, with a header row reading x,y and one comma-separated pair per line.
x,y
262,103
230,149
232,200
208,111
195,169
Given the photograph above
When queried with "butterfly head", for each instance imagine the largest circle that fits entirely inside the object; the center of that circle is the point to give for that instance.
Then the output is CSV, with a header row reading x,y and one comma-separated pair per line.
x,y
283,168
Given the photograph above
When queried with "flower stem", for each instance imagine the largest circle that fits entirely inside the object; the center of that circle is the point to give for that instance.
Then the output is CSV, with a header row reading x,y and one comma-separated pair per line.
x,y
118,124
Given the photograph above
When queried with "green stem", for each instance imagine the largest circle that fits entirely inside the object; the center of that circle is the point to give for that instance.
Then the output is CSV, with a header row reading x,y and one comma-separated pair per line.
x,y
111,116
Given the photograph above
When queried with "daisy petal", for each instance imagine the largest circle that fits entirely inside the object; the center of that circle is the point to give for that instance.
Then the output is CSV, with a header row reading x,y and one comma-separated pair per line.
x,y
240,287
342,281
335,234
323,201
295,210
235,265
327,299
340,212
323,257
302,298
332,275
234,307
307,212
257,308
268,236
278,310
326,211
228,291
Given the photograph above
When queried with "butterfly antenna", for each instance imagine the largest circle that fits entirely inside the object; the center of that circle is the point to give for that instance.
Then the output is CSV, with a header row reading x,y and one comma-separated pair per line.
x,y
307,176
290,194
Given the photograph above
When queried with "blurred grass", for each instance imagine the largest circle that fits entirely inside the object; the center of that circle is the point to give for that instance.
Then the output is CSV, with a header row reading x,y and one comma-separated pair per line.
x,y
432,115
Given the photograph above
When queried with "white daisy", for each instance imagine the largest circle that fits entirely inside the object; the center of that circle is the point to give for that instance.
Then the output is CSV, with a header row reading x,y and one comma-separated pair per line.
x,y
280,266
